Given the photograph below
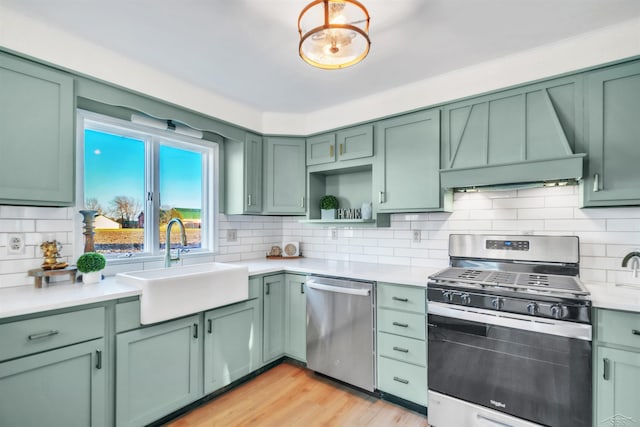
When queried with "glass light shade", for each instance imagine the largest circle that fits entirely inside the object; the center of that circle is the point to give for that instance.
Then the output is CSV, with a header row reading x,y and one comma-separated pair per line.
x,y
334,33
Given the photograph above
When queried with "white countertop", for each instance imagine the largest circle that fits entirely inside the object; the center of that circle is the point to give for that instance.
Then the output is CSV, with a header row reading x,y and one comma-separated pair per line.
x,y
615,297
20,300
407,275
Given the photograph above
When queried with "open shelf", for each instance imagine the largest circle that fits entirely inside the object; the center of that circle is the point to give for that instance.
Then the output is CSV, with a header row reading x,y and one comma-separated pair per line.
x,y
338,221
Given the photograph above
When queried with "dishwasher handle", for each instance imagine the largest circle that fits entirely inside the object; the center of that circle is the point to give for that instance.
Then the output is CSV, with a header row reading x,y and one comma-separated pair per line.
x,y
338,289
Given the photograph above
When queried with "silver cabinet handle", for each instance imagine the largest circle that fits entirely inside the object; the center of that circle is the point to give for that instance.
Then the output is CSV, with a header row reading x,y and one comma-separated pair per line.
x,y
249,200
605,369
43,335
596,183
268,285
98,359
401,380
381,197
401,350
302,288
195,330
402,325
400,299
302,202
209,325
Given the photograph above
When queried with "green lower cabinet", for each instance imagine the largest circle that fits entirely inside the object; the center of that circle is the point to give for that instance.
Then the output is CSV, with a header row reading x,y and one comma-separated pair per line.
x,y
231,344
296,317
157,370
404,380
617,382
274,333
64,387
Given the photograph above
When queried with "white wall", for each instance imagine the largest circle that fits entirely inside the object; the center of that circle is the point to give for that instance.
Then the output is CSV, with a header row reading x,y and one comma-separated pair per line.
x,y
606,234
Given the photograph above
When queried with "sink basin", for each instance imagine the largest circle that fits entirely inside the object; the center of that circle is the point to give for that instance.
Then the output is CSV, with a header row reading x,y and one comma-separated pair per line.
x,y
168,293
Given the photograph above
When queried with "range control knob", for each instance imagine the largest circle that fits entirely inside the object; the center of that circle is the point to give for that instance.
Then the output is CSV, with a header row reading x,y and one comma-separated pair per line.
x,y
497,303
556,311
532,308
447,296
466,299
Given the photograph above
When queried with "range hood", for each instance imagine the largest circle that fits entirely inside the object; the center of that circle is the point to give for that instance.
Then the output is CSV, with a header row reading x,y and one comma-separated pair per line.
x,y
519,136
516,175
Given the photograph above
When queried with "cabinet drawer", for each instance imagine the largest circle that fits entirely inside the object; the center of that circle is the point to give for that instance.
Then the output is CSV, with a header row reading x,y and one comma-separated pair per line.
x,y
619,327
402,297
43,333
127,316
402,348
400,323
403,380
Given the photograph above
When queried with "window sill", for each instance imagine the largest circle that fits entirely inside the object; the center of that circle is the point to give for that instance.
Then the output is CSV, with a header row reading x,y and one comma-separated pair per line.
x,y
148,262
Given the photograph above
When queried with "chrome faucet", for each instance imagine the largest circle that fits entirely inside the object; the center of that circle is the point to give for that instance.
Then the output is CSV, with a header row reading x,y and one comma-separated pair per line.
x,y
167,244
635,262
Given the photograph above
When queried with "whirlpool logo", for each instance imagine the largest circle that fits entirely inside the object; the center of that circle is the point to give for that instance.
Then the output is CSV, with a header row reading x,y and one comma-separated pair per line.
x,y
498,404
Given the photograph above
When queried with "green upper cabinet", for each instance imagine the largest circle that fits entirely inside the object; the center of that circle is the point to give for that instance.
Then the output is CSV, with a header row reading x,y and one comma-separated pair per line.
x,y
284,176
519,135
274,333
157,370
406,173
231,344
243,175
296,317
613,136
347,144
36,134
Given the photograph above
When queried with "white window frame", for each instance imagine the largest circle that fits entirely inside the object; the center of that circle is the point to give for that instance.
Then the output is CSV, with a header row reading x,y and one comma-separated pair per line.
x,y
153,138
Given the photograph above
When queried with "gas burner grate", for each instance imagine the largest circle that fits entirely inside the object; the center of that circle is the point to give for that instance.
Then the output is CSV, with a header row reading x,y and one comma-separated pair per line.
x,y
502,277
470,274
534,280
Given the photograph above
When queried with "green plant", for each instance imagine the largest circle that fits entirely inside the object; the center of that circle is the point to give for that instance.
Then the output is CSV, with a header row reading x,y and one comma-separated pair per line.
x,y
329,202
91,261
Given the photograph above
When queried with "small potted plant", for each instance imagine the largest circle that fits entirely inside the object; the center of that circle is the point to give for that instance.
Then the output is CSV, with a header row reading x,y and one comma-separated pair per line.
x,y
91,264
328,206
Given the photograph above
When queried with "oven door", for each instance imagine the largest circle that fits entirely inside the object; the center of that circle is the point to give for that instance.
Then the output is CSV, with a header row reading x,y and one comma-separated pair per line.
x,y
535,369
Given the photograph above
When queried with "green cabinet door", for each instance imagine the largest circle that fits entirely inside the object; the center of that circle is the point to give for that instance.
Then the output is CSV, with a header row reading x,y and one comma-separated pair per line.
x,y
617,379
274,334
355,142
157,370
321,149
58,388
284,180
613,106
231,344
296,317
243,175
406,173
36,134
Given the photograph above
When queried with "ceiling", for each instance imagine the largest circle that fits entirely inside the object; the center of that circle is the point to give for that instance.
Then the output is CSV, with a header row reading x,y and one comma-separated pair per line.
x,y
246,50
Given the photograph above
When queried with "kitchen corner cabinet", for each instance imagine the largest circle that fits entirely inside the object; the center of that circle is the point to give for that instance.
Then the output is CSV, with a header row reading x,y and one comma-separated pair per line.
x,y
230,344
406,174
158,370
296,317
274,334
347,144
401,342
616,367
613,136
37,116
243,175
284,176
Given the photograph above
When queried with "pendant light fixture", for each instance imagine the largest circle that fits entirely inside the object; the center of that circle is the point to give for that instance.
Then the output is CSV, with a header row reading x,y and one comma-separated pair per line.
x,y
334,33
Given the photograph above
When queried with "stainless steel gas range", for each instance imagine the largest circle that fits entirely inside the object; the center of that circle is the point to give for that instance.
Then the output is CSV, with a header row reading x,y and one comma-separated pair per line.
x,y
509,334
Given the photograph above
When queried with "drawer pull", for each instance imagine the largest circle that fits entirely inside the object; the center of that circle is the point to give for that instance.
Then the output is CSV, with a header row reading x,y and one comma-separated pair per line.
x,y
401,380
43,335
195,330
400,299
401,350
635,332
98,359
605,369
268,286
402,325
302,288
209,325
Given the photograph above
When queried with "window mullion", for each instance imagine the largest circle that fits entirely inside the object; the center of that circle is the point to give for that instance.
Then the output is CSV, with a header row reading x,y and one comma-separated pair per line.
x,y
152,232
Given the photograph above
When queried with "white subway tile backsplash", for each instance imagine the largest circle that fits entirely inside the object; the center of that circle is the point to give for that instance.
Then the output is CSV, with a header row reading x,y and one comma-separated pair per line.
x,y
518,202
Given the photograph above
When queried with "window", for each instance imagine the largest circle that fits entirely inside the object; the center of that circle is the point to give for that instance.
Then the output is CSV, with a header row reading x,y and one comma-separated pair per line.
x,y
138,179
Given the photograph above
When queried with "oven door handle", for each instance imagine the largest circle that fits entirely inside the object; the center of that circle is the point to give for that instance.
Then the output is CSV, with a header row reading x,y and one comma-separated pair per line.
x,y
492,421
510,320
480,330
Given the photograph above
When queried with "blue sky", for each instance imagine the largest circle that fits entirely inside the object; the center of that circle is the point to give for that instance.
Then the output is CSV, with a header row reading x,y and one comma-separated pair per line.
x,y
114,167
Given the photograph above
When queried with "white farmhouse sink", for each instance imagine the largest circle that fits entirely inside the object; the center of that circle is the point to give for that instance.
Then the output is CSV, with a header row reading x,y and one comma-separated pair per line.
x,y
173,292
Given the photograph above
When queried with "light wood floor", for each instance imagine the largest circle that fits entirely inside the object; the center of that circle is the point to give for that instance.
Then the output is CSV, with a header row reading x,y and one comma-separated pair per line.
x,y
289,395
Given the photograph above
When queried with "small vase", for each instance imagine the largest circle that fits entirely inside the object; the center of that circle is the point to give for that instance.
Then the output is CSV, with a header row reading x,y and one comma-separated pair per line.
x,y
328,214
365,210
91,277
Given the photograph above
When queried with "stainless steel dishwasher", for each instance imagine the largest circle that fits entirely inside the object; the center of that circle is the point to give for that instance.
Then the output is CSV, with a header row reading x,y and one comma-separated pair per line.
x,y
341,330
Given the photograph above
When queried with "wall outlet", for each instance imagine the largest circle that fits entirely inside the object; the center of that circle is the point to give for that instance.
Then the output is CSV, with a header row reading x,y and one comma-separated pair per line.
x,y
15,243
417,236
232,235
